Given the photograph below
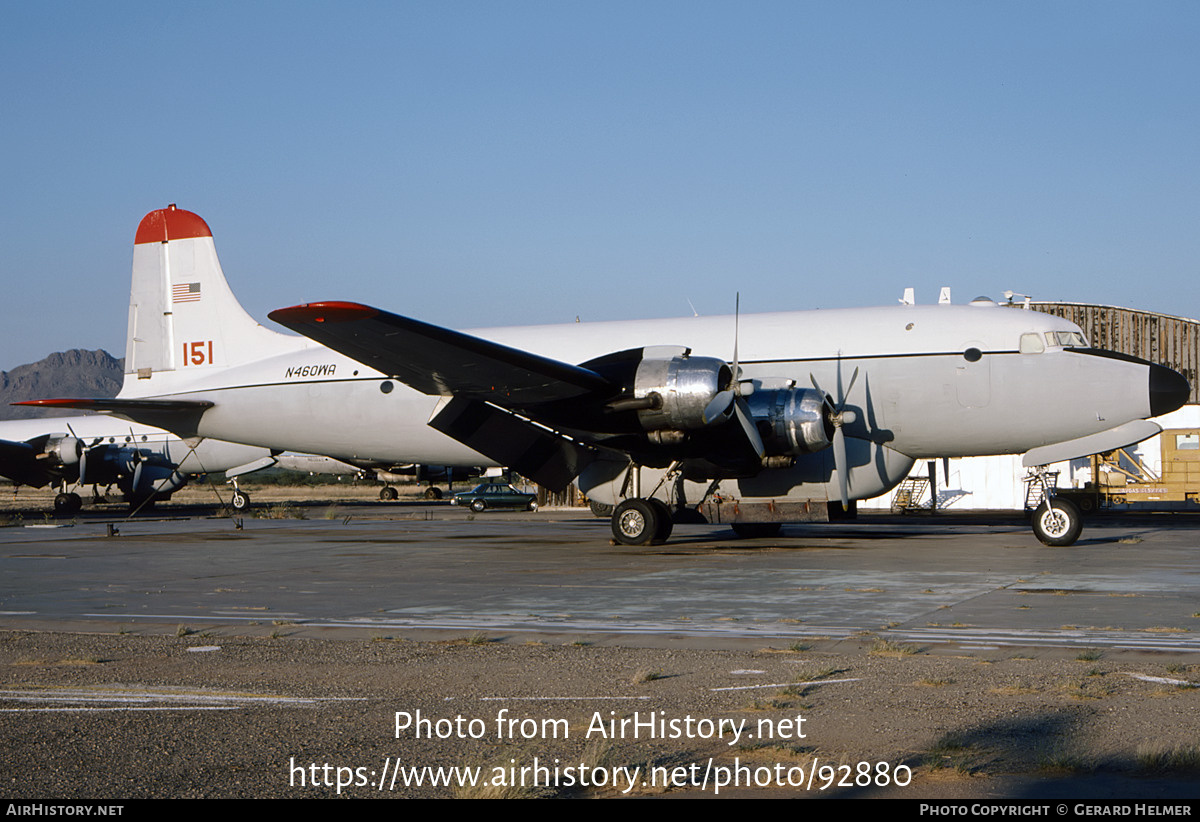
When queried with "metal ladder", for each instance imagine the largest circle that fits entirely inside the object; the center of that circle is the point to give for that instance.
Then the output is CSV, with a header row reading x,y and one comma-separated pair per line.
x,y
909,494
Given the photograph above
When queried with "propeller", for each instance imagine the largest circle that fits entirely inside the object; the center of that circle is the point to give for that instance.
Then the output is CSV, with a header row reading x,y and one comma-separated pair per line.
x,y
729,400
838,417
83,454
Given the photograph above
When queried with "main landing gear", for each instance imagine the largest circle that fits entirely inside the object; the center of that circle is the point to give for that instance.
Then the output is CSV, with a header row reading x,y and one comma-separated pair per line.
x,y
642,522
67,503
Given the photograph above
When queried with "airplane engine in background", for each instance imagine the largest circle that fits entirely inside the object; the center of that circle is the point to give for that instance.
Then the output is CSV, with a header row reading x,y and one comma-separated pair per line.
x,y
142,474
61,451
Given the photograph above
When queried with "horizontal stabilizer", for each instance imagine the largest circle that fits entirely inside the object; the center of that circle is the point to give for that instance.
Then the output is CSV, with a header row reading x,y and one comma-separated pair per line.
x,y
438,361
180,417
529,449
1113,438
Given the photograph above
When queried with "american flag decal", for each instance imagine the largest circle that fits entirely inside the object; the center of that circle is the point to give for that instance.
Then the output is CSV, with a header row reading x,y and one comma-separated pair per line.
x,y
185,293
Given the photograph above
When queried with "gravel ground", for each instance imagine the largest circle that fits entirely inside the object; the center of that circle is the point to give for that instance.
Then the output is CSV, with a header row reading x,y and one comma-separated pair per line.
x,y
89,716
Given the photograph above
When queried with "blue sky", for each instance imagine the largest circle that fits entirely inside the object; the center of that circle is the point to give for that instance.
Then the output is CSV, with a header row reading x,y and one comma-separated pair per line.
x,y
497,163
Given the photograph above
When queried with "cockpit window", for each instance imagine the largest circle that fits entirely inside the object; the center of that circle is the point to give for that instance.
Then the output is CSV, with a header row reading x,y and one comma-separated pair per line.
x,y
1031,343
1066,339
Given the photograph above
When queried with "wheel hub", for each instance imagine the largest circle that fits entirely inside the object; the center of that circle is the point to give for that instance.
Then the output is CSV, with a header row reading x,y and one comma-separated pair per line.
x,y
1055,523
633,524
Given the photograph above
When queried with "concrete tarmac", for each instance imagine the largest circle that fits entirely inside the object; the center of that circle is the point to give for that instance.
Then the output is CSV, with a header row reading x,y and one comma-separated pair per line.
x,y
185,656
421,571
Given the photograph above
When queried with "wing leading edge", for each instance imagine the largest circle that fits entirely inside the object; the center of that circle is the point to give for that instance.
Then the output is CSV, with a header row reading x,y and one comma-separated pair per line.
x,y
438,361
490,384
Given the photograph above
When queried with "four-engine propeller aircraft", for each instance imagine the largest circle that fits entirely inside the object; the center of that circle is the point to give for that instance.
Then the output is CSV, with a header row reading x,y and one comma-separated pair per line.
x,y
648,416
147,464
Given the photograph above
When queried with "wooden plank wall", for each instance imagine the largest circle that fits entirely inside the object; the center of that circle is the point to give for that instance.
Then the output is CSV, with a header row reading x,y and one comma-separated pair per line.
x,y
1160,338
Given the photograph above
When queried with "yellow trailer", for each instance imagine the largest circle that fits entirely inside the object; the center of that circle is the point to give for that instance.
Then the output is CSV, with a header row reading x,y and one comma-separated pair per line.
x,y
1123,479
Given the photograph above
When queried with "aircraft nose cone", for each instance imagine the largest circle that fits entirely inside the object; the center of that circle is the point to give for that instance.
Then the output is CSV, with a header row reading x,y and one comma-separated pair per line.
x,y
1168,390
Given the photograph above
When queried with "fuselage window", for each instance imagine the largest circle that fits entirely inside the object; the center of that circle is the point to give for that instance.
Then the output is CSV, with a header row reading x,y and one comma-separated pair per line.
x,y
1031,343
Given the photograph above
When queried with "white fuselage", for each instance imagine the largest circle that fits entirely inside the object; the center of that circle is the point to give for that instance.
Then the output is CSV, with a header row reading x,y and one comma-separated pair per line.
x,y
922,391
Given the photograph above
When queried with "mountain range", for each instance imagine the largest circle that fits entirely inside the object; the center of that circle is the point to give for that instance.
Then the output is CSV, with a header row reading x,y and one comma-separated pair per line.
x,y
74,373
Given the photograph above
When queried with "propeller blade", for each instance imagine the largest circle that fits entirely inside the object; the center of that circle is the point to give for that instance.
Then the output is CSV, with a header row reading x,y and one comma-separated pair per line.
x,y
743,415
849,388
719,406
737,310
825,398
839,465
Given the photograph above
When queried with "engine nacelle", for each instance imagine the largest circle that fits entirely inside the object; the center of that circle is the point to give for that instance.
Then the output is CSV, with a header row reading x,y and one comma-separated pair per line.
x,y
151,480
678,390
791,420
62,451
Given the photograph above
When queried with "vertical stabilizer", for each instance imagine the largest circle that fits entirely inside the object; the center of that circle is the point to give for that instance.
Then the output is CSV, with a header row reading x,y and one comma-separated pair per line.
x,y
183,319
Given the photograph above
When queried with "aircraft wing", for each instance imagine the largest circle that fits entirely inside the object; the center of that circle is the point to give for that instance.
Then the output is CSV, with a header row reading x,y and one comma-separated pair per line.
x,y
438,361
10,450
22,462
545,418
495,391
180,417
18,462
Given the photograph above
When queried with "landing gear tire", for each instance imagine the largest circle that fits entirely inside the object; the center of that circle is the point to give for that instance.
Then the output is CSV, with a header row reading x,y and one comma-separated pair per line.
x,y
240,500
757,530
1059,524
665,525
638,522
432,492
600,509
67,504
388,494
478,505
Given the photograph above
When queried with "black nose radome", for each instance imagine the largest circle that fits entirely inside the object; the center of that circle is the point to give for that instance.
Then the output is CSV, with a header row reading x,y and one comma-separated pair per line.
x,y
1168,390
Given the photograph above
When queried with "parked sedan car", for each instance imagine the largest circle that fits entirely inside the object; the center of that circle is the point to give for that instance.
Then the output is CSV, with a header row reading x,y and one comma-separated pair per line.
x,y
495,495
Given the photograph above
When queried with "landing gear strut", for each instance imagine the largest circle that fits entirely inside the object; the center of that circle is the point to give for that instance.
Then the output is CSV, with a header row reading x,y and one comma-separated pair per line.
x,y
1056,521
638,520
